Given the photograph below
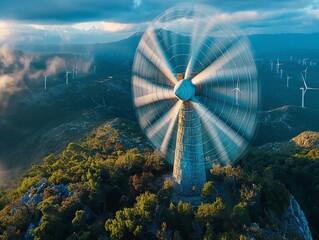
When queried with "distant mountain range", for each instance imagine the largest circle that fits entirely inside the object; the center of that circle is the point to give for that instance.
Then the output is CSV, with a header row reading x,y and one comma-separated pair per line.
x,y
263,44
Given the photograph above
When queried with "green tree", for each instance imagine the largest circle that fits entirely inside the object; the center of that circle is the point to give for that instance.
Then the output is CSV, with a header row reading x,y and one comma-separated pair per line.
x,y
53,225
79,219
208,190
146,204
124,223
240,215
208,212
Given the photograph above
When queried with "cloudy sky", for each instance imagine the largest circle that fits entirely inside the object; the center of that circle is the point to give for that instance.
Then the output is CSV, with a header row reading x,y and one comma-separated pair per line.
x,y
90,21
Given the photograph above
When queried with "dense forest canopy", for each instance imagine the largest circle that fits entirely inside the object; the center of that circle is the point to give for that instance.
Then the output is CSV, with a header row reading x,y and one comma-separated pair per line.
x,y
114,185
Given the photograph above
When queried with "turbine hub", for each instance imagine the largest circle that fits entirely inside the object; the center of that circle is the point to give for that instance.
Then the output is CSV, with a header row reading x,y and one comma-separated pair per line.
x,y
184,89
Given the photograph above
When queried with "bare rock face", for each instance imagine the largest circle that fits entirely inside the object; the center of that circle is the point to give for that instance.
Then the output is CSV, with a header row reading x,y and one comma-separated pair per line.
x,y
294,221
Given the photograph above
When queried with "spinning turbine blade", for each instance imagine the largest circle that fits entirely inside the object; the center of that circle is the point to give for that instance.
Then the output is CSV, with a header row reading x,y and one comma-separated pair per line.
x,y
155,55
169,131
162,94
148,86
162,122
197,39
235,50
218,123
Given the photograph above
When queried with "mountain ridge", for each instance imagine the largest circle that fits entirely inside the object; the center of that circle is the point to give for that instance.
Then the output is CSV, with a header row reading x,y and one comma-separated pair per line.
x,y
269,43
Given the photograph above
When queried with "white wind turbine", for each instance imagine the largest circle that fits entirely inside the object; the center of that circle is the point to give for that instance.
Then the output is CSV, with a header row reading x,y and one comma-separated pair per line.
x,y
281,71
45,82
288,78
305,71
73,73
67,77
76,68
278,65
177,109
304,90
237,91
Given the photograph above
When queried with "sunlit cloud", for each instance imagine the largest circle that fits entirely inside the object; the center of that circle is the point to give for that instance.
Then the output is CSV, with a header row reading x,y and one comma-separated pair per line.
x,y
244,16
103,26
115,27
5,31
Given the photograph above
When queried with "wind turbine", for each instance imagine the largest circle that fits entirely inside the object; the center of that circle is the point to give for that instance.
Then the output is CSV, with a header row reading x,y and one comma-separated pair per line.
x,y
288,78
305,71
177,110
45,82
237,91
278,65
73,73
67,77
76,68
94,68
304,90
281,71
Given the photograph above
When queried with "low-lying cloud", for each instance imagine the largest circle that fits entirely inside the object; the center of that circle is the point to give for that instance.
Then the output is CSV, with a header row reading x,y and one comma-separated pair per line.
x,y
16,67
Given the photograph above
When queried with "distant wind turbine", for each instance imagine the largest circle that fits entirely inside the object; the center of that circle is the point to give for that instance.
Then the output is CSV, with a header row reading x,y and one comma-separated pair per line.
x,y
45,82
94,68
305,71
237,91
288,78
73,73
278,65
304,90
67,77
281,71
76,68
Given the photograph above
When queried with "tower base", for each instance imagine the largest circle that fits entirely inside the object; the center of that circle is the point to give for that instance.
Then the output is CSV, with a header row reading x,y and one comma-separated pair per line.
x,y
189,168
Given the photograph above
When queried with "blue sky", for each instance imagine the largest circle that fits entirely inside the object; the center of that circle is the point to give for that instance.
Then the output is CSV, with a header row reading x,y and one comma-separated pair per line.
x,y
89,21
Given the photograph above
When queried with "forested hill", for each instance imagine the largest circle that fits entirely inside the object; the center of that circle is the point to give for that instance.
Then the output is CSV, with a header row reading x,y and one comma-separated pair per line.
x,y
114,185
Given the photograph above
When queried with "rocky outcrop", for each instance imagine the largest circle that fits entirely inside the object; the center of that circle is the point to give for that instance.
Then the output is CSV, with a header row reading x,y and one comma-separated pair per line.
x,y
294,221
34,195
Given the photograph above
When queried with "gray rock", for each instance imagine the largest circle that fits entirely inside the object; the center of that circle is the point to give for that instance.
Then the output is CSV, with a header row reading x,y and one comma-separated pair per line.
x,y
35,200
294,220
27,235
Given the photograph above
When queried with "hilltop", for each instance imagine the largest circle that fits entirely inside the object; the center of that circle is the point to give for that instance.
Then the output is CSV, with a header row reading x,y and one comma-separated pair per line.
x,y
113,184
295,163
